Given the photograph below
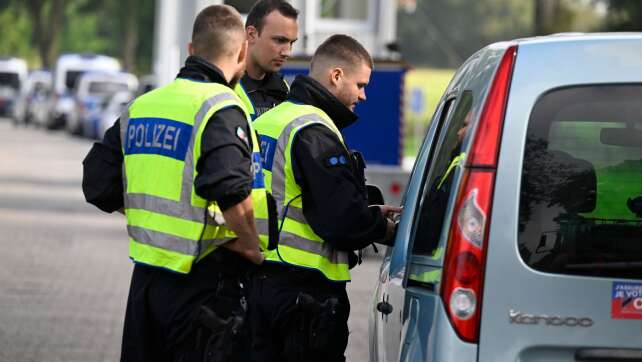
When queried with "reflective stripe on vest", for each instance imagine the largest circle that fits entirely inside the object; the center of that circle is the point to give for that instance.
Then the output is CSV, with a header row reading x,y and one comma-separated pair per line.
x,y
167,221
298,243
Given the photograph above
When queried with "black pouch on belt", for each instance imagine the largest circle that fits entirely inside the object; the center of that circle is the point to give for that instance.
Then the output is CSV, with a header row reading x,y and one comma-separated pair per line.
x,y
327,333
221,335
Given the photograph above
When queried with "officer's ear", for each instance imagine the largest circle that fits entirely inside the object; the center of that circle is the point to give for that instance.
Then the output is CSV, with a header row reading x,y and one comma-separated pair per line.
x,y
190,48
243,53
252,34
336,76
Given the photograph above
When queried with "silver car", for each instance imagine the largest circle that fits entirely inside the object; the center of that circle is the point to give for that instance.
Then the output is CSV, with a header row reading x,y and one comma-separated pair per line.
x,y
521,234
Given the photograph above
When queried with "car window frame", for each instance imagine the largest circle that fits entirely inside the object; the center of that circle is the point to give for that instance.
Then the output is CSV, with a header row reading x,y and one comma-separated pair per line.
x,y
401,256
436,260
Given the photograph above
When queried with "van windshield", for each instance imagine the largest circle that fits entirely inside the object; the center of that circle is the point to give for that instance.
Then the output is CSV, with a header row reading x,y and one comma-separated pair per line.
x,y
581,191
10,80
71,78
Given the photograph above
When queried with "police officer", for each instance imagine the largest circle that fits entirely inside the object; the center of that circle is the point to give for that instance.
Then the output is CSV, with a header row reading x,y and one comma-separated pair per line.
x,y
271,29
182,148
298,298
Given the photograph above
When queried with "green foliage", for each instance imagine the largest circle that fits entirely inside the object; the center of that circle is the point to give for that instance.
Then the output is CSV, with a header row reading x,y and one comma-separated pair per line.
x,y
624,15
90,26
145,36
15,28
82,31
443,33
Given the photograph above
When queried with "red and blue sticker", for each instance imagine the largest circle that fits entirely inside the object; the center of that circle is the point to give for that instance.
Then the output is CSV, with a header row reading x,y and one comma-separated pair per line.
x,y
626,300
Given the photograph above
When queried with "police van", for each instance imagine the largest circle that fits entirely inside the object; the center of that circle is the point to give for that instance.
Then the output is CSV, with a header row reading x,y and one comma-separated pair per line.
x,y
13,75
521,234
91,95
68,70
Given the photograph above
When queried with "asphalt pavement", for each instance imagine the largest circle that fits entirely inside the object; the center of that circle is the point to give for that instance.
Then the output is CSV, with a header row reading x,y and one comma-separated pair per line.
x,y
64,268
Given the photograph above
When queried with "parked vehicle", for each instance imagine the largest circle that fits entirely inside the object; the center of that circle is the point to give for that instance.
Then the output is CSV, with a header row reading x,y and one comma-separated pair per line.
x,y
69,68
115,107
13,75
33,105
146,83
39,101
93,91
521,234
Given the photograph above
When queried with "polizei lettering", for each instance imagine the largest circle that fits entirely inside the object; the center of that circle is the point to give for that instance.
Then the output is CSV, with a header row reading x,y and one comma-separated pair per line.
x,y
516,317
157,136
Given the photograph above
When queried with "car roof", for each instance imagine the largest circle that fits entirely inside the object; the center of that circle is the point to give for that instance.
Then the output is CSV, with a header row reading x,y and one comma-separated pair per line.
x,y
13,64
579,37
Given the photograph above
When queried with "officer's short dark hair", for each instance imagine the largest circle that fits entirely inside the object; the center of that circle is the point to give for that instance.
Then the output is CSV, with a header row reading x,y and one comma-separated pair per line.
x,y
342,50
218,31
262,8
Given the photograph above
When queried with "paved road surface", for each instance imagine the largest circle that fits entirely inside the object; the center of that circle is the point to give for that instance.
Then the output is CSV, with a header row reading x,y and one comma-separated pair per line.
x,y
64,270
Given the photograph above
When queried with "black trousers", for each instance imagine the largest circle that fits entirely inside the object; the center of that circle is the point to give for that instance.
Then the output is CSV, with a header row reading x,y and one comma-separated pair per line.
x,y
297,315
167,313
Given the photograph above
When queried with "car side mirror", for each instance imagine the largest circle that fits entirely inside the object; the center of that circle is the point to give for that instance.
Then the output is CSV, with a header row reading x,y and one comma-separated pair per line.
x,y
375,196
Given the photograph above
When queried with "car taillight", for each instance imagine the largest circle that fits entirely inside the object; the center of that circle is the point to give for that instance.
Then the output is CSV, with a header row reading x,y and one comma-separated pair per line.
x,y
485,146
465,258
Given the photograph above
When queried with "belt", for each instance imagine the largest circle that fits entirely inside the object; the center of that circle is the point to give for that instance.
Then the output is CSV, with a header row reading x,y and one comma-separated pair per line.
x,y
298,275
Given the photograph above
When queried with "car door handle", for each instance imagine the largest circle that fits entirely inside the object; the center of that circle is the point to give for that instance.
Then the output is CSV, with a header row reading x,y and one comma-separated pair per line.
x,y
608,354
384,307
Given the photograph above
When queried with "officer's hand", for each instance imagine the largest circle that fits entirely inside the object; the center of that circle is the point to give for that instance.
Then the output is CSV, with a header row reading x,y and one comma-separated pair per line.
x,y
252,254
255,256
389,212
391,228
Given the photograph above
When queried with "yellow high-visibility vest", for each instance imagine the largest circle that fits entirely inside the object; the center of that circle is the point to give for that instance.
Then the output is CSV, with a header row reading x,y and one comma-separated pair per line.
x,y
298,244
161,134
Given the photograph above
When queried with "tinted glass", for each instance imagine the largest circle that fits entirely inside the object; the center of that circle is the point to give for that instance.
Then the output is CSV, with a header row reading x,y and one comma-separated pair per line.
x,y
9,80
581,193
439,187
72,78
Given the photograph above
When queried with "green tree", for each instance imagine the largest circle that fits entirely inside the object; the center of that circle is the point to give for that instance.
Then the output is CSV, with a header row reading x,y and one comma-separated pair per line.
x,y
443,33
624,15
40,30
16,31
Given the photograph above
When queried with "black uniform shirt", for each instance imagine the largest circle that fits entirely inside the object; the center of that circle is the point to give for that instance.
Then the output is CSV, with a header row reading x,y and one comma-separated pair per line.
x,y
265,93
334,201
224,168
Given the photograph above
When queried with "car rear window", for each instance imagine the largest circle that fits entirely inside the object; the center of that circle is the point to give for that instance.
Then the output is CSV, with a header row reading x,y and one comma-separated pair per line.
x,y
581,191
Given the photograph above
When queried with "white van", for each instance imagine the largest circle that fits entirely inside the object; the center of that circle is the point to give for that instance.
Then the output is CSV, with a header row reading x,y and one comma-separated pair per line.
x,y
91,95
68,69
13,74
